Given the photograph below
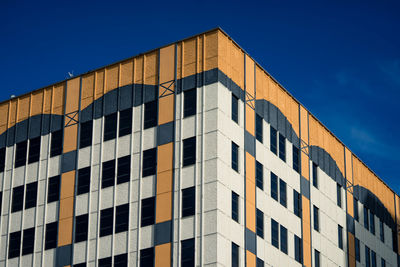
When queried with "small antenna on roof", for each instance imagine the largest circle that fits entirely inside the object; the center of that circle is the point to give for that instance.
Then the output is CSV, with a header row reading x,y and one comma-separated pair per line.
x,y
70,74
12,96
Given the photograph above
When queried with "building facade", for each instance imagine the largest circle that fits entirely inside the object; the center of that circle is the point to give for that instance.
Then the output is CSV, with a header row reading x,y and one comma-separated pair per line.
x,y
188,155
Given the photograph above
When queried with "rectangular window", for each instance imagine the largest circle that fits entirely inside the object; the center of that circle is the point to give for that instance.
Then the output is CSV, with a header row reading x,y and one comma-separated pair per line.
x,y
316,219
235,109
106,221
85,138
357,249
54,189
235,157
315,175
122,218
81,227
108,174
383,262
2,159
339,195
28,241
282,147
235,255
259,128
125,122
105,262
274,186
260,223
83,180
31,195
373,258
259,175
110,127
190,103
284,246
56,143
51,235
367,257
147,257
149,162
188,201
355,209
381,231
298,249
150,114
121,260
148,211
282,192
259,263
235,206
17,198
189,151
34,150
274,233
366,221
340,237
297,203
317,258
296,156
187,253
273,141
124,169
20,154
14,245
372,223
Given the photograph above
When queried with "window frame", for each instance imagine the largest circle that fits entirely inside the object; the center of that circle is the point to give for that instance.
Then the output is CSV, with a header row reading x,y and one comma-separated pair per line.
x,y
189,102
150,117
189,151
188,201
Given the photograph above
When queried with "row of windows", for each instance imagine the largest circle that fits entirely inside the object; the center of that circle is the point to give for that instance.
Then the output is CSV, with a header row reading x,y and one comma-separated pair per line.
x,y
369,222
370,255
235,257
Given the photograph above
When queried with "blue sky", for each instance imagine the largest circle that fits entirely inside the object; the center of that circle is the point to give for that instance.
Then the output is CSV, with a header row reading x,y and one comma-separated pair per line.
x,y
341,59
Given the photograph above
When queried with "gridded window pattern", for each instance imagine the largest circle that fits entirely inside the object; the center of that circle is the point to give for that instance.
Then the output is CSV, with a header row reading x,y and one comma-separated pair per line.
x,y
259,128
235,109
187,253
260,223
148,211
297,203
188,201
259,175
34,150
122,218
31,195
81,227
189,151
110,126
275,233
235,206
284,240
51,235
282,192
282,147
150,114
147,257
108,174
28,241
54,189
273,141
83,180
86,133
56,143
235,157
124,169
125,122
20,154
274,186
106,221
282,189
14,245
119,261
149,162
17,198
190,103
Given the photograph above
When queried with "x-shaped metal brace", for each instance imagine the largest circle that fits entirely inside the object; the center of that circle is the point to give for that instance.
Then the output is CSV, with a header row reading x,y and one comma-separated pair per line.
x,y
167,88
71,118
250,100
349,186
305,148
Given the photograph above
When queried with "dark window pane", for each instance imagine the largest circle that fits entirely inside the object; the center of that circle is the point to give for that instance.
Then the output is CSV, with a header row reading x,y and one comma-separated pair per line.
x,y
86,133
367,257
188,201
316,219
282,192
187,256
150,114
189,105
274,233
357,249
235,255
355,208
31,195
20,154
2,159
125,122
147,257
148,211
259,175
106,221
28,241
51,235
260,223
339,195
17,198
83,180
381,231
383,262
259,128
296,156
189,151
110,126
373,258
53,189
317,258
282,147
122,218
235,109
315,175
14,245
284,236
235,206
34,150
56,143
105,262
297,203
124,170
235,157
273,140
366,221
259,263
372,223
298,249
81,228
149,162
274,186
340,236
108,174
121,260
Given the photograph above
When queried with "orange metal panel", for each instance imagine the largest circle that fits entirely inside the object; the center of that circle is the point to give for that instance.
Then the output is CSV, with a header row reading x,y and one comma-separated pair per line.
x,y
250,216
250,168
164,157
12,112
72,101
200,54
138,69
99,85
58,99
179,60
272,92
237,64
164,182
250,76
189,57
112,74
47,100
37,103
166,109
304,124
67,184
306,231
260,80
163,255
151,68
66,208
349,165
211,50
126,72
87,94
223,53
250,120
4,117
70,137
167,65
65,232
350,208
307,254
251,259
305,166
163,207
351,244
23,108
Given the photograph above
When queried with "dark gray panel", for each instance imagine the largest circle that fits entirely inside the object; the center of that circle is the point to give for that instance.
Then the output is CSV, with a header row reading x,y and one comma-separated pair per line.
x,y
260,108
222,78
63,256
314,154
350,224
111,102
22,131
305,187
281,123
321,159
189,82
273,116
98,108
11,136
150,93
87,113
236,90
68,161
199,79
56,123
178,86
332,168
45,124
165,133
289,131
295,140
266,111
242,94
162,233
250,241
326,162
212,76
249,143
34,126
137,95
3,139
125,97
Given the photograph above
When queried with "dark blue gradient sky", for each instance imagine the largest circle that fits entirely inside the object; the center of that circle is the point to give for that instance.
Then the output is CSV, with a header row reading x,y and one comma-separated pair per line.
x,y
341,59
